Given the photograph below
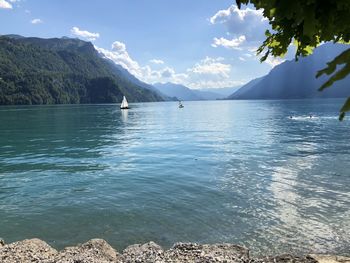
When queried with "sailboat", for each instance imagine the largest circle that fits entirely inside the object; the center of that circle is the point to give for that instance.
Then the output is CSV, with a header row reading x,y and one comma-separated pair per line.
x,y
124,105
180,104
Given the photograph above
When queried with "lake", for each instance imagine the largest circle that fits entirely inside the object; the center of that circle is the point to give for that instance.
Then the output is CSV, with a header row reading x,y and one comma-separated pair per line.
x,y
215,171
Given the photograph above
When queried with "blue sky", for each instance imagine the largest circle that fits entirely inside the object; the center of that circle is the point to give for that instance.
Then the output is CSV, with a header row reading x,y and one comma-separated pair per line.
x,y
199,43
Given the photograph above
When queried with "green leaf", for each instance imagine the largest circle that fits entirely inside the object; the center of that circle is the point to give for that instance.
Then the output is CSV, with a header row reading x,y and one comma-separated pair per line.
x,y
267,33
345,108
343,58
263,58
272,12
341,116
309,27
308,50
340,74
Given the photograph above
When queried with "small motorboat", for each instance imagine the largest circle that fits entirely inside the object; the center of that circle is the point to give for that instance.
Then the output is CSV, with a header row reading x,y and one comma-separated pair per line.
x,y
180,105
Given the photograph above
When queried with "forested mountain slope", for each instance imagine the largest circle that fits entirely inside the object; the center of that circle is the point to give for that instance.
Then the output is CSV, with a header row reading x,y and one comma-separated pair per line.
x,y
61,70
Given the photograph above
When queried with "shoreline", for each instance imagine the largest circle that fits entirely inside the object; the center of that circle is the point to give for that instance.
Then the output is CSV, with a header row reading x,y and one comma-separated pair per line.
x,y
99,251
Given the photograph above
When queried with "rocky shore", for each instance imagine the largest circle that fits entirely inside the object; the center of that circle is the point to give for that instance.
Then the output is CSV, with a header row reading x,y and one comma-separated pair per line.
x,y
99,251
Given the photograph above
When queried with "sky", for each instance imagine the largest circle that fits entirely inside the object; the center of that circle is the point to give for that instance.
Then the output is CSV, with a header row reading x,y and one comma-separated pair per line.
x,y
197,43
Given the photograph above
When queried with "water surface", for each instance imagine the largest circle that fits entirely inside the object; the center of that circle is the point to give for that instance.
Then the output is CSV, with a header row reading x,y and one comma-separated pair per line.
x,y
215,171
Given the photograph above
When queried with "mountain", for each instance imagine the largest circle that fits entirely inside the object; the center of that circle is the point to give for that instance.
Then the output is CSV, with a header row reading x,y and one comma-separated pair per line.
x,y
176,90
61,70
207,94
245,89
296,79
120,71
222,92
182,92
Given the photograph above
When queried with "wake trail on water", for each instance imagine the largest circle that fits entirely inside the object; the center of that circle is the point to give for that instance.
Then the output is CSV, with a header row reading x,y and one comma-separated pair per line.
x,y
307,118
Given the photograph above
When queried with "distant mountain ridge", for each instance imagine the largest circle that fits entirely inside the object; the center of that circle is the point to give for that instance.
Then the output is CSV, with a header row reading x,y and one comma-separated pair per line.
x,y
245,88
296,79
182,92
179,91
62,70
224,92
126,74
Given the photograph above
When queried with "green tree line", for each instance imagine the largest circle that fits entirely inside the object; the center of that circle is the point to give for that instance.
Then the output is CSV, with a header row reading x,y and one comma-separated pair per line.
x,y
61,71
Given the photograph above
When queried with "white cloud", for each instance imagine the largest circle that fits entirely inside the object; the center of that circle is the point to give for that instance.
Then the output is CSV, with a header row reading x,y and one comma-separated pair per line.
x,y
36,21
249,22
200,84
209,72
119,47
156,61
247,26
84,34
223,16
167,72
234,43
120,56
211,67
273,62
5,5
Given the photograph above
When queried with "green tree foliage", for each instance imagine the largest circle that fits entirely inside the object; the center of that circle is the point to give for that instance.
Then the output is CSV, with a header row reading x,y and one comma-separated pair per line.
x,y
307,23
61,71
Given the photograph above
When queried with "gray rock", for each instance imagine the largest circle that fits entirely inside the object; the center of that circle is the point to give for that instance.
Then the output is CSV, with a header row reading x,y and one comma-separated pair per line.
x,y
191,252
93,251
286,258
149,252
29,250
99,251
330,258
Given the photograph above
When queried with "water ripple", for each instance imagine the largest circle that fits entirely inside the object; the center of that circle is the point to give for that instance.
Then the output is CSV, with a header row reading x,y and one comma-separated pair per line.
x,y
223,171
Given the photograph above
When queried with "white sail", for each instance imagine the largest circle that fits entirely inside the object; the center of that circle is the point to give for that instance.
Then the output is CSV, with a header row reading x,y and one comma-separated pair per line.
x,y
124,104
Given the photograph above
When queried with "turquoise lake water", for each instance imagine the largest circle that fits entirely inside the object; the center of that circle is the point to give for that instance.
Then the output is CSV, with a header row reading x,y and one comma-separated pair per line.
x,y
215,171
